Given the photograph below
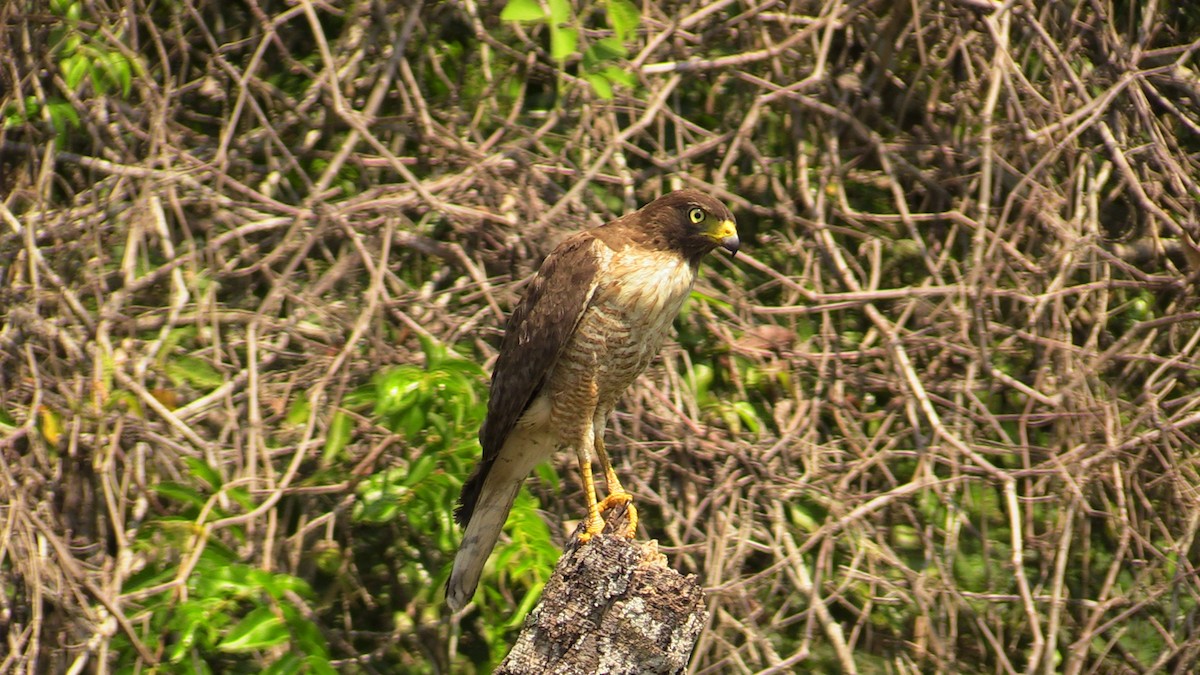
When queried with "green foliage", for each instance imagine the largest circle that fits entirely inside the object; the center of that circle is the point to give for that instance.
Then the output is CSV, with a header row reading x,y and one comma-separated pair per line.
x,y
599,62
202,606
63,117
84,54
189,370
740,409
736,415
437,409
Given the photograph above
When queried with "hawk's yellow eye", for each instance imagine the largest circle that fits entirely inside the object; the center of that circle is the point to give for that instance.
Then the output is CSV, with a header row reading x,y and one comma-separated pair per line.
x,y
697,215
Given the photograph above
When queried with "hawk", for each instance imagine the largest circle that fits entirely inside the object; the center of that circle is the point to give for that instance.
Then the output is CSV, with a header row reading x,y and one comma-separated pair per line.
x,y
591,320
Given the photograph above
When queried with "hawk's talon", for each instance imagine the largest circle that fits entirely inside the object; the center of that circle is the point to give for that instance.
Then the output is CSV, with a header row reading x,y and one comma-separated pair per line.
x,y
617,499
594,527
596,524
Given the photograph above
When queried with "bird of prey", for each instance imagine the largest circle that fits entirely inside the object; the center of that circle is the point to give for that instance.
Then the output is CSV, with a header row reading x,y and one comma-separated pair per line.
x,y
590,321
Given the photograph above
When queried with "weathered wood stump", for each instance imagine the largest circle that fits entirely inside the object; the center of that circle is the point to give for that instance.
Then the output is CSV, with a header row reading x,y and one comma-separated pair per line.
x,y
612,606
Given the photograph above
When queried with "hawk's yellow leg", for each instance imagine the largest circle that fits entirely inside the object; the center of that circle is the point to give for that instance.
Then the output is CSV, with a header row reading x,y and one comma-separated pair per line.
x,y
616,493
595,524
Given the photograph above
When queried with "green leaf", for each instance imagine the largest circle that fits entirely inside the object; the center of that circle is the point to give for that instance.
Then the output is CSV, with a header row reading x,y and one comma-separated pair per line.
x,y
99,82
563,39
305,634
413,422
522,10
195,372
74,69
259,630
560,11
563,42
286,665
73,42
531,597
179,493
277,583
600,85
624,17
319,664
298,411
701,380
420,470
802,518
607,49
218,578
337,437
118,69
242,496
437,428
618,75
397,389
546,473
204,471
192,622
748,415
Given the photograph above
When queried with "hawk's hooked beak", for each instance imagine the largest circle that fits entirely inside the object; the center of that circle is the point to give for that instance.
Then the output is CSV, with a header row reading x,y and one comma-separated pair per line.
x,y
725,233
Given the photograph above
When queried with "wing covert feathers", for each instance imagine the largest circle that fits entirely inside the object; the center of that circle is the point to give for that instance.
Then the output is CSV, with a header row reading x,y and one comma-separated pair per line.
x,y
540,327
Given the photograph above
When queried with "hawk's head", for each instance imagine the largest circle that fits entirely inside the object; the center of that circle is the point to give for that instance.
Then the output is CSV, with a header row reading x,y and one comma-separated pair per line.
x,y
687,221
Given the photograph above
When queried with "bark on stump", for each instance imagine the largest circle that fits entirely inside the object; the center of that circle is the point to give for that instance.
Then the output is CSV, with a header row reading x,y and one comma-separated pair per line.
x,y
612,606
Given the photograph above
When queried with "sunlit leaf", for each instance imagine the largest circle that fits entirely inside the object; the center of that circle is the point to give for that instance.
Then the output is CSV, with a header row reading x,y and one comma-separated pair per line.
x,y
560,11
563,42
749,416
522,10
298,411
624,17
74,69
600,85
60,7
621,76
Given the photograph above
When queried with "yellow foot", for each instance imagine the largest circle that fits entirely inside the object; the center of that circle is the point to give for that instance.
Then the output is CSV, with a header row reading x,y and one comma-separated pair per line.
x,y
596,524
616,499
594,527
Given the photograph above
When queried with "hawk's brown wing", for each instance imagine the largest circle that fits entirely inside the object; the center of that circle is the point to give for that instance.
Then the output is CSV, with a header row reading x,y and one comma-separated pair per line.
x,y
540,327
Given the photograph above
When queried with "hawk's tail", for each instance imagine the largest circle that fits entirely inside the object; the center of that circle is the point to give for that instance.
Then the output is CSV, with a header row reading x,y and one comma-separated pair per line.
x,y
470,493
489,505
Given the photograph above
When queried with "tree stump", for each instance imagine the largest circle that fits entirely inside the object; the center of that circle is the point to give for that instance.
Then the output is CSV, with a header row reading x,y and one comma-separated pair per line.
x,y
612,606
